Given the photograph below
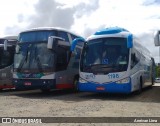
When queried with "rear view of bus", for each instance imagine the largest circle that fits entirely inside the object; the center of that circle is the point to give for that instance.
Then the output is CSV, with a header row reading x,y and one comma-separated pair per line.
x,y
112,61
7,49
43,59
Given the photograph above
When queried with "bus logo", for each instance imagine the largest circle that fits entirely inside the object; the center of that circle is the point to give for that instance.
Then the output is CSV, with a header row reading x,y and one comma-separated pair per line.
x,y
90,76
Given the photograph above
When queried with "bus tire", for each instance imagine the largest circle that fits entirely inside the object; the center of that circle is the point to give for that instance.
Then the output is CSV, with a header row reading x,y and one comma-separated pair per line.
x,y
140,86
75,82
152,81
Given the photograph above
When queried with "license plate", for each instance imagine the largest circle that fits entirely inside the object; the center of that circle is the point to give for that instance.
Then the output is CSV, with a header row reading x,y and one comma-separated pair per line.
x,y
100,88
27,83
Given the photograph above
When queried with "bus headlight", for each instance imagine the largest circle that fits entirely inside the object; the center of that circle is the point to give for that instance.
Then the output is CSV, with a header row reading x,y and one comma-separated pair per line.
x,y
82,80
123,81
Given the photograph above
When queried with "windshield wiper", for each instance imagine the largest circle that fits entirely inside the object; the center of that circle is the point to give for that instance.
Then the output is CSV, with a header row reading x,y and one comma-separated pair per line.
x,y
37,59
39,64
25,58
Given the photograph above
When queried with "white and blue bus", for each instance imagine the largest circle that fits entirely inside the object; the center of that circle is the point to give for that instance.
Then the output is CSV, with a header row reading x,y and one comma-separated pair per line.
x,y
114,61
44,59
7,50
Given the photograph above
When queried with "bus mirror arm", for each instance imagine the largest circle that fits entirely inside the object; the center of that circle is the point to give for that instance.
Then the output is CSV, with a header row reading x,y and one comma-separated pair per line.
x,y
5,45
17,49
53,42
130,41
75,42
157,38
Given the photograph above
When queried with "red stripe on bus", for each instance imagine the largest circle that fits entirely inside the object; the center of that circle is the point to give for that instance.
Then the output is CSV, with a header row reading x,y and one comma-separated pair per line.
x,y
6,86
64,86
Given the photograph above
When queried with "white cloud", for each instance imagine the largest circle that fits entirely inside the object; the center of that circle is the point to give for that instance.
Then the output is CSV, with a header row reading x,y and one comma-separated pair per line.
x,y
12,10
125,13
133,15
141,17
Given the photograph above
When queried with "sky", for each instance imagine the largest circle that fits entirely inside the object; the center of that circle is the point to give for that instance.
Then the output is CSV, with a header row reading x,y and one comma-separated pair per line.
x,y
84,17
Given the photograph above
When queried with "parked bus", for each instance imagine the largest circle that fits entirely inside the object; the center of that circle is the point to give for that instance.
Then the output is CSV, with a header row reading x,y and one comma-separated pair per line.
x,y
113,60
7,49
44,60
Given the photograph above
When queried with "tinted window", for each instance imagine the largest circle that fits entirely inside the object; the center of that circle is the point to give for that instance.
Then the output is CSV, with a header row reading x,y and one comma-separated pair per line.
x,y
36,36
34,57
2,41
6,57
64,35
105,54
135,57
62,60
74,36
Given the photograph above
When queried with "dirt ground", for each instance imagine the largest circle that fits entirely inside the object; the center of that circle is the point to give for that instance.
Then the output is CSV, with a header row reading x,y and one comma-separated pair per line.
x,y
83,104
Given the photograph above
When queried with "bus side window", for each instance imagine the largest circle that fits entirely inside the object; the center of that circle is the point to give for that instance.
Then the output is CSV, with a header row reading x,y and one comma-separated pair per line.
x,y
73,36
63,35
134,59
7,57
77,53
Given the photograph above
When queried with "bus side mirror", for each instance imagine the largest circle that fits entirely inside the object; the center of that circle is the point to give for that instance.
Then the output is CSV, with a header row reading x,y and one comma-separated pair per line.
x,y
130,41
54,41
156,38
77,42
5,45
17,49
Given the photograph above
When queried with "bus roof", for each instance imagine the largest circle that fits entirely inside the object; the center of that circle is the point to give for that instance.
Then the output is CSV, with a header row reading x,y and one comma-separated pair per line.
x,y
49,28
9,37
110,32
119,32
12,40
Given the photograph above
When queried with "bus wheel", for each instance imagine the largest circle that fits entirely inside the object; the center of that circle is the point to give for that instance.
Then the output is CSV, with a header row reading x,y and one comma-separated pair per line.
x,y
140,86
76,89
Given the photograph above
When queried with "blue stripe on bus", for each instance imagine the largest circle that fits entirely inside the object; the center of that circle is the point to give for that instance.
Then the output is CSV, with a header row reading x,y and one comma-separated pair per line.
x,y
74,43
110,88
112,30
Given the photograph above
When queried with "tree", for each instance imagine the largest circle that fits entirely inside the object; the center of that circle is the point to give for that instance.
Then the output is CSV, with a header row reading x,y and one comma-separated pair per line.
x,y
157,71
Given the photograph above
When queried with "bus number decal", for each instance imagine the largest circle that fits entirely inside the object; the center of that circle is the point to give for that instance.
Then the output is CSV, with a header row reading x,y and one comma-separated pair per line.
x,y
113,76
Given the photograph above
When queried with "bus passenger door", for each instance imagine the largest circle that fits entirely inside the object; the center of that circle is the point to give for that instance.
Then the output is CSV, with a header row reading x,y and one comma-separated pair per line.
x,y
63,74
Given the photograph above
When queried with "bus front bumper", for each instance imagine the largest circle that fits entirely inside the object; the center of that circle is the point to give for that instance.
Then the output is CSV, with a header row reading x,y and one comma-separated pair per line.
x,y
27,84
109,87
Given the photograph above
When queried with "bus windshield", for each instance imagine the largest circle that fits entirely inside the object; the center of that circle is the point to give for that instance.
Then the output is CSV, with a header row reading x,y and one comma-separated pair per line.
x,y
34,57
6,57
105,55
34,36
